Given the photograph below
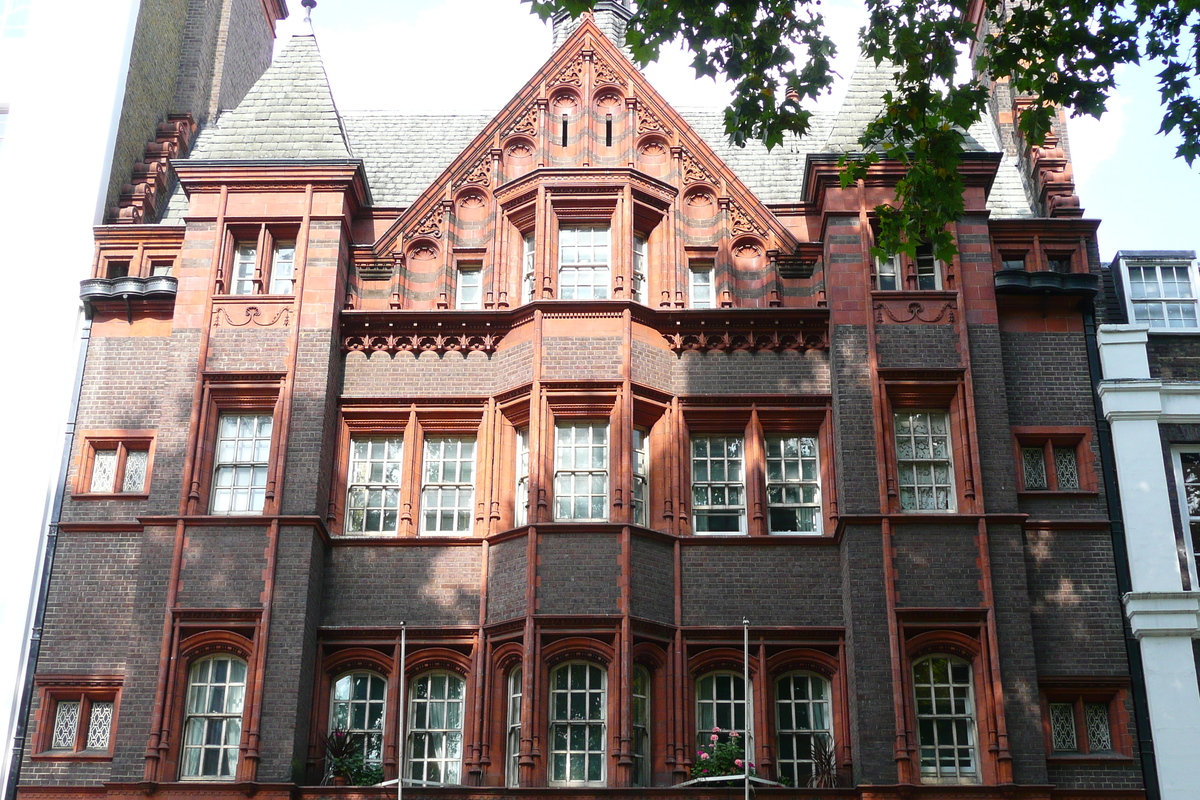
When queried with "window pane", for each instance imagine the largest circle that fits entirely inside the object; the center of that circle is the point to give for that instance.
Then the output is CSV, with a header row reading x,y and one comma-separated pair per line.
x,y
1098,730
1062,727
578,703
216,688
373,485
924,469
718,485
1065,468
135,471
793,493
1033,460
104,470
240,474
448,493
66,720
581,471
435,728
945,717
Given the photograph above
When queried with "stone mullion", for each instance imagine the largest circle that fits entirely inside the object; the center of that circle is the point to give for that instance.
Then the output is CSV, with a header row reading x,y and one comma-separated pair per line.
x,y
410,492
754,458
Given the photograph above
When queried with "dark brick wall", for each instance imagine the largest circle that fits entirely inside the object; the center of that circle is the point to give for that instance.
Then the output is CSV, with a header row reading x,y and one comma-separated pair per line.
x,y
236,349
314,425
567,358
374,586
1174,357
404,375
752,373
991,419
513,366
723,583
854,422
917,346
578,573
223,567
937,566
1073,601
507,564
868,664
1124,775
1047,379
652,366
652,584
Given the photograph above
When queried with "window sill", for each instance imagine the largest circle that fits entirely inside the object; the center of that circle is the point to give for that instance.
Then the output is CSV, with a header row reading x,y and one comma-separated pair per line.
x,y
1089,758
110,495
279,298
82,755
1057,493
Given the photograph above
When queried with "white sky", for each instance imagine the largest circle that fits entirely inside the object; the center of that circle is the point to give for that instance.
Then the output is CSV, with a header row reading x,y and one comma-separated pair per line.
x,y
415,55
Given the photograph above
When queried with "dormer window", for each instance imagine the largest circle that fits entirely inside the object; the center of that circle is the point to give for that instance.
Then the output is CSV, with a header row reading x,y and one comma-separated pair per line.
x,y
583,263
700,289
1162,292
265,264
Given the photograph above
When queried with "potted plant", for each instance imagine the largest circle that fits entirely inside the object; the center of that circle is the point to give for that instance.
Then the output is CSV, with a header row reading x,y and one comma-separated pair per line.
x,y
343,757
723,757
824,757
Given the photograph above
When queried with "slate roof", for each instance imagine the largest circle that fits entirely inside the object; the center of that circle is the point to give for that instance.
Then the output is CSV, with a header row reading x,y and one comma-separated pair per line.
x,y
289,113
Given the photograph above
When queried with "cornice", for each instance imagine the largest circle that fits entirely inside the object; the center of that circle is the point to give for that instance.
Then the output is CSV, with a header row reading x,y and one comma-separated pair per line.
x,y
133,235
1163,613
821,173
211,175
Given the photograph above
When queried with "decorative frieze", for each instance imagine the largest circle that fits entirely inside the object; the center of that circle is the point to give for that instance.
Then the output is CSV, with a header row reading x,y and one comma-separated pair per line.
x,y
904,310
440,343
776,341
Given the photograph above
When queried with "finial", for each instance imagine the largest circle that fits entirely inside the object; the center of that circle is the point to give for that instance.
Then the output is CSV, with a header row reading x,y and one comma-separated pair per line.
x,y
308,5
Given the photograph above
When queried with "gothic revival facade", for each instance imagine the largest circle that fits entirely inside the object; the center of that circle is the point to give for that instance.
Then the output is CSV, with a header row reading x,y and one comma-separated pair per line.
x,y
466,444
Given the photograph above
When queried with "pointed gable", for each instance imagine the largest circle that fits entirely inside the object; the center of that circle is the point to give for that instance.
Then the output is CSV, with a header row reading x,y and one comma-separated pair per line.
x,y
289,114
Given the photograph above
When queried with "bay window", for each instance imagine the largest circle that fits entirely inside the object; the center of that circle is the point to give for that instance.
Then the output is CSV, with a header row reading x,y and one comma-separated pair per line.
x,y
448,487
578,713
435,729
581,471
718,484
583,263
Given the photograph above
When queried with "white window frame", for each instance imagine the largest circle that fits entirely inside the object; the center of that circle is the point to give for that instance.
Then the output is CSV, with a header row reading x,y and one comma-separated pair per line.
x,y
1187,519
367,735
521,498
641,717
937,773
436,733
813,706
569,472
255,466
283,267
463,286
243,280
705,723
528,263
443,482
1132,303
512,770
592,725
724,484
901,462
926,266
702,294
889,270
803,485
641,477
637,285
369,487
198,712
572,267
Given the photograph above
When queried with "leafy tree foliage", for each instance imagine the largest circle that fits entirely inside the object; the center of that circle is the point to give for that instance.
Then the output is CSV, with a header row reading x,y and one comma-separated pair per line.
x,y
1061,53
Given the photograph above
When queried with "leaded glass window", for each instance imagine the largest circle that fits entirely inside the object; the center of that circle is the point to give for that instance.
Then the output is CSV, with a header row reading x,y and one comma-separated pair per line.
x,y
513,745
373,486
1095,716
945,719
245,264
924,467
448,490
641,726
357,707
99,725
583,264
118,466
581,471
720,704
718,484
1033,460
1062,727
1066,468
283,268
641,464
66,722
793,485
104,471
212,731
435,729
240,476
802,722
578,711
134,480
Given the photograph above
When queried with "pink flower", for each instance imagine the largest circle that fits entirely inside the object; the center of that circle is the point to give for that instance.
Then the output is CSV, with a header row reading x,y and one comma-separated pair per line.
x,y
714,737
737,762
704,756
751,765
716,730
699,752
733,734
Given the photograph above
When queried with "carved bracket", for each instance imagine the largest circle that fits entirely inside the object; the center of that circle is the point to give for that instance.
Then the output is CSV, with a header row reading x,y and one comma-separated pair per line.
x,y
420,343
775,341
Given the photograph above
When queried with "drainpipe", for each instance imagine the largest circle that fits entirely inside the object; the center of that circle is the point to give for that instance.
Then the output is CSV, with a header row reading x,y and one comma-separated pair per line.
x,y
45,561
1120,559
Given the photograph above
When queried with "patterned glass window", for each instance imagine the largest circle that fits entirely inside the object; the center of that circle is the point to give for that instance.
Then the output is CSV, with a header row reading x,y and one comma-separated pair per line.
x,y
283,268
527,264
926,474
448,491
435,729
1062,727
134,480
245,264
1079,725
718,484
212,731
357,707
720,704
521,515
929,269
701,285
581,471
583,264
887,274
1099,731
1049,465
373,487
793,485
637,291
1033,459
1162,295
641,726
99,725
469,288
512,768
578,710
104,471
945,718
802,723
1066,469
641,466
240,476
66,723
118,464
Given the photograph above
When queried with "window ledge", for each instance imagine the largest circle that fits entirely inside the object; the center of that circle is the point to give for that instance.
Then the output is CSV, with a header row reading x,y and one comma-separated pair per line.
x,y
83,755
1089,758
1019,281
110,495
1058,493
1174,331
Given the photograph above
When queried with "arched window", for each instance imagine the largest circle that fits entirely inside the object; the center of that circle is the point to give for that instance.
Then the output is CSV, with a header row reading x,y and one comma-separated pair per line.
x,y
435,729
802,723
578,705
641,726
357,707
513,746
212,730
720,703
945,719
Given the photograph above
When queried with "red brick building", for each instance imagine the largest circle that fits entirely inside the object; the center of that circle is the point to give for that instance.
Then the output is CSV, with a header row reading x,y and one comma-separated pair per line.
x,y
569,392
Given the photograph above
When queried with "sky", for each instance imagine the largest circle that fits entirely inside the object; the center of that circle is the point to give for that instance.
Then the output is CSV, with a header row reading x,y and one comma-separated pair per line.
x,y
413,56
